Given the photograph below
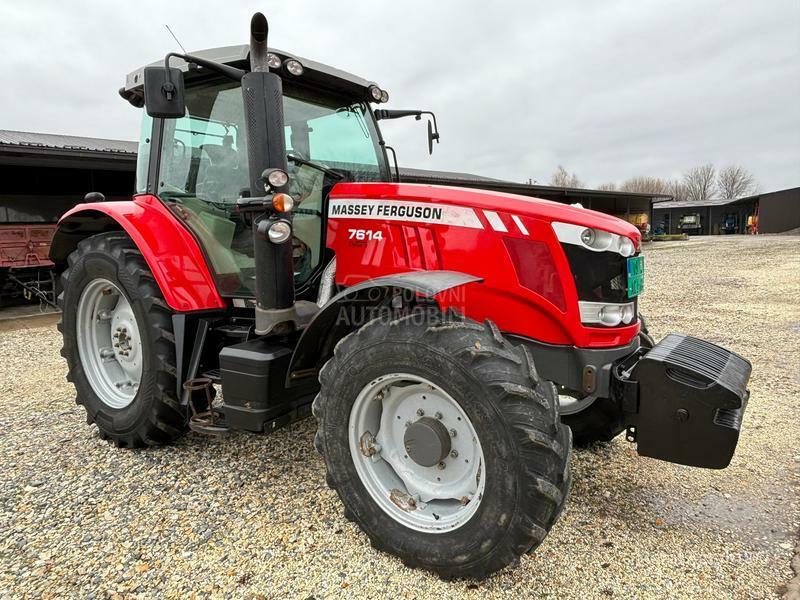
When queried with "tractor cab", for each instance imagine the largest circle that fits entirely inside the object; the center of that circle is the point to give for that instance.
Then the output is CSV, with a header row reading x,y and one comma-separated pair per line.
x,y
198,163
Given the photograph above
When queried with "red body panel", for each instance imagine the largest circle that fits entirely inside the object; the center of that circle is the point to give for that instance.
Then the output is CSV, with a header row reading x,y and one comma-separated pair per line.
x,y
472,241
171,252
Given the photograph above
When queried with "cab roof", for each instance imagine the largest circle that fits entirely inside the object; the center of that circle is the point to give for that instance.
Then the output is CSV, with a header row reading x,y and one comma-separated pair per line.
x,y
315,73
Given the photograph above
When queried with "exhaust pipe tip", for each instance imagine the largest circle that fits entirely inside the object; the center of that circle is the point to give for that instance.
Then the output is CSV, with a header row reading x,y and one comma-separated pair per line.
x,y
259,29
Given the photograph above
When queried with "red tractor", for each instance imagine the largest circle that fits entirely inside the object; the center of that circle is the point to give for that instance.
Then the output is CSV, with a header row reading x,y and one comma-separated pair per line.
x,y
453,341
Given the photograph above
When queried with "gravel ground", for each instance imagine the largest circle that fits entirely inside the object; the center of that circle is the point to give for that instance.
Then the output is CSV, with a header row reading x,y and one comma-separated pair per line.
x,y
250,517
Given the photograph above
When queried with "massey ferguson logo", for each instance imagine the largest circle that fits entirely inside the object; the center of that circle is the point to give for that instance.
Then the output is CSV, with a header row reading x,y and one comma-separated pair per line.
x,y
386,210
400,210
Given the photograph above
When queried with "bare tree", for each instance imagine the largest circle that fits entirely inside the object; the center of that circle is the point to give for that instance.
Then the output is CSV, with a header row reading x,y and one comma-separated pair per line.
x,y
735,182
608,187
677,189
699,182
562,178
645,185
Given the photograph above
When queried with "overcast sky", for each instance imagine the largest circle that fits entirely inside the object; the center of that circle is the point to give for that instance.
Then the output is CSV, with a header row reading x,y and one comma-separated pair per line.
x,y
609,89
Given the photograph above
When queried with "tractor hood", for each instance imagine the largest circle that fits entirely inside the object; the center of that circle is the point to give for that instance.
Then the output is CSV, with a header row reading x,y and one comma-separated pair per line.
x,y
537,272
497,210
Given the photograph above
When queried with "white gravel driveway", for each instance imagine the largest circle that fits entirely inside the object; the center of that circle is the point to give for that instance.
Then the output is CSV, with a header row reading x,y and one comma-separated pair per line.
x,y
250,517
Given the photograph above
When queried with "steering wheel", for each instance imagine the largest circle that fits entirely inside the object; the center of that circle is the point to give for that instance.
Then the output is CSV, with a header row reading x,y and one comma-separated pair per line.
x,y
297,153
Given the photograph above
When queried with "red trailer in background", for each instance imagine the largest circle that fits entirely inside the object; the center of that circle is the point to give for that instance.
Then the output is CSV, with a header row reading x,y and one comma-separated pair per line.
x,y
25,268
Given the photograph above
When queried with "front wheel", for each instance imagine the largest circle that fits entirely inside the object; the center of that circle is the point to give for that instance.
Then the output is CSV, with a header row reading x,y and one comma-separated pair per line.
x,y
119,344
442,443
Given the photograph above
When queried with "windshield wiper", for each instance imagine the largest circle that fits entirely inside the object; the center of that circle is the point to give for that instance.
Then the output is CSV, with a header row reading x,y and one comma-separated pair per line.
x,y
302,161
359,117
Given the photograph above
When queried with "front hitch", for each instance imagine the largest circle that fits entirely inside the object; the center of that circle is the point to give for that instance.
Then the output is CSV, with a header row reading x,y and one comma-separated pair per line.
x,y
684,400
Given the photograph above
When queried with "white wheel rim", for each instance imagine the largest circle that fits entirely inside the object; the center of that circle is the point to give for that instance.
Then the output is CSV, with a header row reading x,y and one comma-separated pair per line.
x,y
428,499
109,343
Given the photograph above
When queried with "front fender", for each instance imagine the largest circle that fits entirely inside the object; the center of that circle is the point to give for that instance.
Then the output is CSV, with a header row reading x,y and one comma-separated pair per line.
x,y
170,250
328,326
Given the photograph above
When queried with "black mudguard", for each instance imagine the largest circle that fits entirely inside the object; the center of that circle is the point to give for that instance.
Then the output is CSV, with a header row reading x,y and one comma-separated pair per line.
x,y
357,304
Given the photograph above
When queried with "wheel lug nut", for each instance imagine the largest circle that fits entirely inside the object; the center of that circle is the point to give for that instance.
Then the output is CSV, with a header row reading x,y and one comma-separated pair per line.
x,y
441,466
438,415
454,454
420,412
453,433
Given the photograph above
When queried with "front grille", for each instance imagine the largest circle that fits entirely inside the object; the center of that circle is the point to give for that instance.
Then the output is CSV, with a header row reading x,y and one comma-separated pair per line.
x,y
598,276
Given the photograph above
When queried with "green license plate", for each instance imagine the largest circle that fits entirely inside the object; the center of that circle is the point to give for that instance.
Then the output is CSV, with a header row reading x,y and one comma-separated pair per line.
x,y
635,275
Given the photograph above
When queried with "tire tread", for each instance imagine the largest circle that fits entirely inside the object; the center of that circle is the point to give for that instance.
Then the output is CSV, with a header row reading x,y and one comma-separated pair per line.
x,y
167,419
529,410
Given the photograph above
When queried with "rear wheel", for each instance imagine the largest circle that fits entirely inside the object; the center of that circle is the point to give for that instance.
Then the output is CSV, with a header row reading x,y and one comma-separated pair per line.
x,y
119,344
443,443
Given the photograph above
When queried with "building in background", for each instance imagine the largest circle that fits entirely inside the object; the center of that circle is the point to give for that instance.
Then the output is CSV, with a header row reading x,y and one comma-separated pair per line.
x,y
771,212
41,177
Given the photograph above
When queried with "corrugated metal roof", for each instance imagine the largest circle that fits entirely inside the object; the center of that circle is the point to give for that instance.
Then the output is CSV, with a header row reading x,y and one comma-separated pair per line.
x,y
27,139
412,173
428,176
694,203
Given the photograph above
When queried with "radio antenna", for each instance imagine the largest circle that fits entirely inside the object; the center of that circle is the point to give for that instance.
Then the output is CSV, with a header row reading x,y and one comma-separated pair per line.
x,y
175,37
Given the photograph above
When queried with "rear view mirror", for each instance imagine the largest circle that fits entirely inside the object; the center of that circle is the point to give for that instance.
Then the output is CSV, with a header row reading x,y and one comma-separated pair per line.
x,y
432,136
163,92
433,128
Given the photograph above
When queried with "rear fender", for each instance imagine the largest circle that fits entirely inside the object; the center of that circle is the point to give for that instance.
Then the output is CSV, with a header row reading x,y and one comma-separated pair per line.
x,y
170,250
353,307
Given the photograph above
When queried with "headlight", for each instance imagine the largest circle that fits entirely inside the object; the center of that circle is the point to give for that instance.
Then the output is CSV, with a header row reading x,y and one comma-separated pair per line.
x,y
610,315
273,60
277,178
627,314
626,247
279,232
606,313
294,67
384,96
375,92
592,239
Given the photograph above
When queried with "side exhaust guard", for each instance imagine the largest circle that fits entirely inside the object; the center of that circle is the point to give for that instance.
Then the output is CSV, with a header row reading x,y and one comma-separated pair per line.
x,y
684,400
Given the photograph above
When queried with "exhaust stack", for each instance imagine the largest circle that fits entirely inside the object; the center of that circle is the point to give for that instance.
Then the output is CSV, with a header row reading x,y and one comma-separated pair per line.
x,y
263,100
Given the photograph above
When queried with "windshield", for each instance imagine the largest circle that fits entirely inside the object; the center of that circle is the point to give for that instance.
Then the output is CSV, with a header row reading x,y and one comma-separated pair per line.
x,y
203,170
340,136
